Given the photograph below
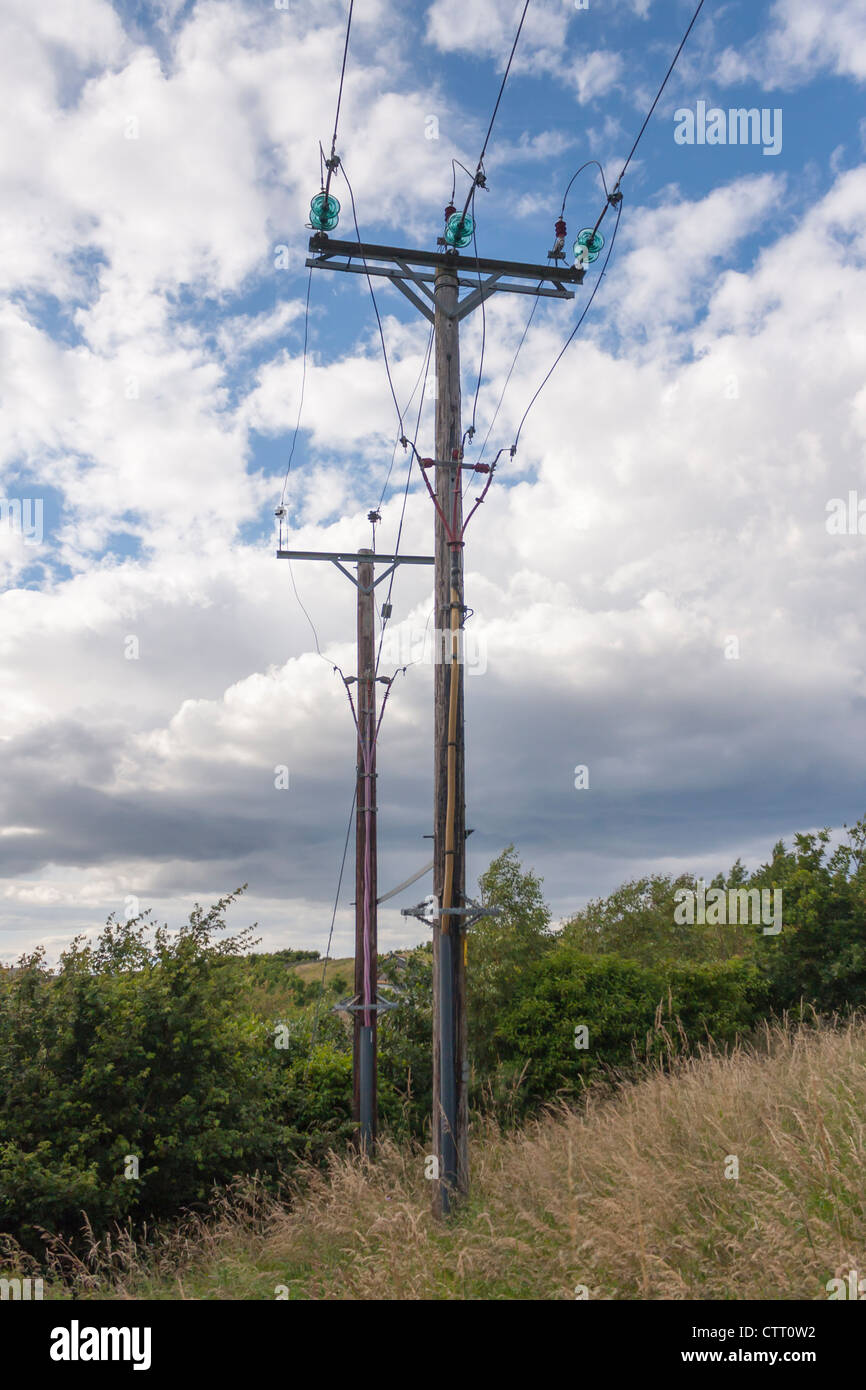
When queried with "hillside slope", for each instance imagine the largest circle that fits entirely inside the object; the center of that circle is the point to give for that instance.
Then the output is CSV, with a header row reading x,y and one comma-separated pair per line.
x,y
627,1198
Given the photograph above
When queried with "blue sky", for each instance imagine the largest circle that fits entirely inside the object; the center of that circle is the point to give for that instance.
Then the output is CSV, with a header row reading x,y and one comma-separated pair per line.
x,y
670,493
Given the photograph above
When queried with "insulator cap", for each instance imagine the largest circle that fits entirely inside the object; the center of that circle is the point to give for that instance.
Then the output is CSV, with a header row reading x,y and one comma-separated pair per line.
x,y
459,229
450,211
560,228
324,212
588,245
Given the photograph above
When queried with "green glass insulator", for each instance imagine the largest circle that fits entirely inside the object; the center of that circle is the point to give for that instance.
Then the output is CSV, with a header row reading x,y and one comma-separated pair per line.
x,y
459,229
588,245
324,212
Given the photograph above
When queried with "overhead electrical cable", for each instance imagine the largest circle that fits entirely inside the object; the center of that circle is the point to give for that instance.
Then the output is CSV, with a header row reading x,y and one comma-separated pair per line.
x,y
612,199
573,332
480,169
648,117
333,162
471,430
303,386
387,604
580,171
315,1028
375,305
425,367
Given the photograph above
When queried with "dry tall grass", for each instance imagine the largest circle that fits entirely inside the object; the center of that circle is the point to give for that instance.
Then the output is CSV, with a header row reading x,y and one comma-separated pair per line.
x,y
627,1197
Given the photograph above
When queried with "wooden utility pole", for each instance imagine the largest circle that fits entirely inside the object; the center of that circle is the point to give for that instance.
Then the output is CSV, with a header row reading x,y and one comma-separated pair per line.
x,y
364,1023
364,1004
450,1115
413,273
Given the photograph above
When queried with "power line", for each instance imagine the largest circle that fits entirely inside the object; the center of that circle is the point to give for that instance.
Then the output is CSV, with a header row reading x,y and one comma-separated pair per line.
x,y
659,93
648,117
425,367
303,387
315,1027
342,75
580,171
471,430
406,490
574,331
479,170
332,162
535,303
375,305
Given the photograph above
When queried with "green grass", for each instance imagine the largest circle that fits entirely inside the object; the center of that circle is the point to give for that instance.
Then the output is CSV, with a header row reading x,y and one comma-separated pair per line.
x,y
626,1196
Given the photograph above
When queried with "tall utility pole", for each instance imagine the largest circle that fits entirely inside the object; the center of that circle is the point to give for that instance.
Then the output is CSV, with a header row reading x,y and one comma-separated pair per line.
x,y
450,1069
413,273
364,1021
364,1004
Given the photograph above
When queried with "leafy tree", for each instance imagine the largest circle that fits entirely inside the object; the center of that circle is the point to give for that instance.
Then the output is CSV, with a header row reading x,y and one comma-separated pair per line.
x,y
622,1006
638,922
500,947
133,1049
405,1057
820,954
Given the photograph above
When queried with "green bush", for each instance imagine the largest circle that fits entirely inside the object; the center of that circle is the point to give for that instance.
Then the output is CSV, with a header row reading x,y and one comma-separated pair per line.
x,y
131,1049
622,1005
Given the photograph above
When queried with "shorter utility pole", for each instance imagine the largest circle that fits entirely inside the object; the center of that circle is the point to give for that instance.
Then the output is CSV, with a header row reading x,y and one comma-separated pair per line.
x,y
364,1004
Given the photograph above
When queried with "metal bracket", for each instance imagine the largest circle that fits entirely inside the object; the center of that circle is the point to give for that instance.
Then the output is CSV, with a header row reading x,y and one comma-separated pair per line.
x,y
349,1005
412,273
338,558
471,913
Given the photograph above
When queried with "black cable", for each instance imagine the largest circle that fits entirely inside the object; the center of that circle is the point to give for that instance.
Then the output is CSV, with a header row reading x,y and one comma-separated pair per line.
x,y
425,367
483,336
305,613
659,93
535,303
496,107
375,305
303,387
315,1027
342,76
333,162
580,171
396,550
455,165
574,331
611,199
648,116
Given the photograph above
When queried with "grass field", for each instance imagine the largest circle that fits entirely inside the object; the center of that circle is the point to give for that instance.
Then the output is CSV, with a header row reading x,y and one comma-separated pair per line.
x,y
310,971
632,1197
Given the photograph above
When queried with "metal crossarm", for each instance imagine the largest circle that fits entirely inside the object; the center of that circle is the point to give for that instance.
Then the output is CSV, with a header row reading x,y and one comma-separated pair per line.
x,y
342,558
412,272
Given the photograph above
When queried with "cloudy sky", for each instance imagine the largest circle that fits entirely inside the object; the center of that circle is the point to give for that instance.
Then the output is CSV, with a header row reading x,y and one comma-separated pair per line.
x,y
662,588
